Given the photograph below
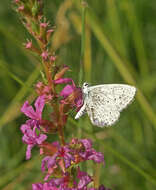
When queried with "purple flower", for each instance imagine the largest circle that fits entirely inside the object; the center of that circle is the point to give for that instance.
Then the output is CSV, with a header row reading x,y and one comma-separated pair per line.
x,y
56,181
77,99
64,81
34,115
37,186
102,187
53,184
85,179
45,186
48,186
65,153
87,143
31,129
62,183
52,162
89,153
49,162
64,156
31,138
95,156
68,89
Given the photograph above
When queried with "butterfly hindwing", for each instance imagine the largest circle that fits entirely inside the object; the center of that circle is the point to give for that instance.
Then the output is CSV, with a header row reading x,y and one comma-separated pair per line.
x,y
101,117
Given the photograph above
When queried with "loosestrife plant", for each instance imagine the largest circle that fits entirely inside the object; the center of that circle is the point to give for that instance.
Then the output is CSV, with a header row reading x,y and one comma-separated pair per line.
x,y
61,159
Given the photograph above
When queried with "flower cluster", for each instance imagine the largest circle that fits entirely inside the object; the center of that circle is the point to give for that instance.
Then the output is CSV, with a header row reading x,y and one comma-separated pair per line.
x,y
30,128
61,160
35,125
68,156
61,184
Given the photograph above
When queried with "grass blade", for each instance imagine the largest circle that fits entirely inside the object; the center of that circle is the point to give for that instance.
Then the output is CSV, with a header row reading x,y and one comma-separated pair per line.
x,y
10,113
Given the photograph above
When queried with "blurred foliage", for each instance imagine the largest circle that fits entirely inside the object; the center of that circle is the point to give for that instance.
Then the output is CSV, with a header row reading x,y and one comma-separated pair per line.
x,y
120,47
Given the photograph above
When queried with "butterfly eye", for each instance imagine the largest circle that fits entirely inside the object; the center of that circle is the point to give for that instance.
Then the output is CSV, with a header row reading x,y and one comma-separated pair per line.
x,y
85,84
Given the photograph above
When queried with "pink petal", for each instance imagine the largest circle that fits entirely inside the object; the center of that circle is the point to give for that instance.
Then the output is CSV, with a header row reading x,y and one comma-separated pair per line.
x,y
28,110
37,186
41,138
27,139
87,143
64,81
28,152
28,45
68,89
46,177
44,162
39,105
24,128
44,24
85,179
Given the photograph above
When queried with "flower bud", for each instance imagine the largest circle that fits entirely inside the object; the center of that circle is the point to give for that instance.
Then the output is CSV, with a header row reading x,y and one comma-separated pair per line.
x,y
35,9
45,55
21,8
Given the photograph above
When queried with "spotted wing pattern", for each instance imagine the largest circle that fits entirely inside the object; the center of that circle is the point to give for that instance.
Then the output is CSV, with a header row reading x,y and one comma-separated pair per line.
x,y
105,102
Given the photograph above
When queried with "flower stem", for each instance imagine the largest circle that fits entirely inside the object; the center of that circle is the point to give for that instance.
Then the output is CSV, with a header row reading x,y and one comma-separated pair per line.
x,y
48,75
61,135
97,170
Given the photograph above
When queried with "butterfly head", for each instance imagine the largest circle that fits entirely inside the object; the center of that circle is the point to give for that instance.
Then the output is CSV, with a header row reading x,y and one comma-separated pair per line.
x,y
85,88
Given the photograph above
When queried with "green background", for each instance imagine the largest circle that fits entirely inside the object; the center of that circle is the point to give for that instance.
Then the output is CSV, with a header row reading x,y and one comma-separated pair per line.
x,y
120,47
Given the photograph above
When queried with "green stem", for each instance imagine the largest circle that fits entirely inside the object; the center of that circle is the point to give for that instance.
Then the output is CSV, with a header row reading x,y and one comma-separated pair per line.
x,y
61,135
81,72
82,41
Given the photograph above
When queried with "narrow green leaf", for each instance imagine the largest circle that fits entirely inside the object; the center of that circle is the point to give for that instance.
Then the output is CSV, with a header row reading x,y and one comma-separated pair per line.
x,y
12,75
13,109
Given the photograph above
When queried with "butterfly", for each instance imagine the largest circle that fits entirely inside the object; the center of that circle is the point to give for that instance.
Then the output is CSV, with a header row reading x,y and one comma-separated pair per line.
x,y
103,103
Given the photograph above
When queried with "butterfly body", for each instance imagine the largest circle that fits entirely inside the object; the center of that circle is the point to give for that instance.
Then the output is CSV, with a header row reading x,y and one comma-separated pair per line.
x,y
103,103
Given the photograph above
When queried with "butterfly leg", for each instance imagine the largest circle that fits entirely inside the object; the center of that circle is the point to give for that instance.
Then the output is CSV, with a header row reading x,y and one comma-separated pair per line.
x,y
81,111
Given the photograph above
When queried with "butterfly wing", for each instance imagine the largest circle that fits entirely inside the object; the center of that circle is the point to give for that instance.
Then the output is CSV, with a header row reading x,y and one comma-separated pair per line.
x,y
105,102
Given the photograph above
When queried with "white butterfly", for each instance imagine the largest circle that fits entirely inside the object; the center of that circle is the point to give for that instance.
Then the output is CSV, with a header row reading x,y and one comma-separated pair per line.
x,y
103,103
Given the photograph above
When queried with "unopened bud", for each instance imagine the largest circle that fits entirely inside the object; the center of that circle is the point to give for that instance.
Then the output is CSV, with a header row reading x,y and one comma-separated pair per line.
x,y
44,55
49,33
21,8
